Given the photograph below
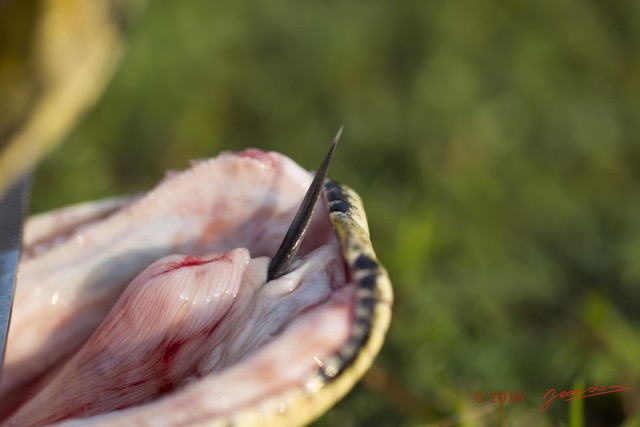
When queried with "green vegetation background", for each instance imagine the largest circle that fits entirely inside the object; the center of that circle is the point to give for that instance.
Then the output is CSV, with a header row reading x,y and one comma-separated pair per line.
x,y
496,147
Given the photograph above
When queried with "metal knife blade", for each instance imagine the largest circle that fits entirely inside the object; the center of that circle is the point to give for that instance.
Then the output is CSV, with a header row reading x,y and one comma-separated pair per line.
x,y
13,208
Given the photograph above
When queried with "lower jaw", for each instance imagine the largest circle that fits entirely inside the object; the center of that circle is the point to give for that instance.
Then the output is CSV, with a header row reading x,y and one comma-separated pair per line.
x,y
282,368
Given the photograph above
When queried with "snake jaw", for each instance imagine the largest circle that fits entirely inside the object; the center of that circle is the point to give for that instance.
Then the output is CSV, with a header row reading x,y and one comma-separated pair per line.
x,y
290,378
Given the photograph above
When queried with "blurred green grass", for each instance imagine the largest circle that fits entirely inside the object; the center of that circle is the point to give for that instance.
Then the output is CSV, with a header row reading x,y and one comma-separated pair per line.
x,y
495,145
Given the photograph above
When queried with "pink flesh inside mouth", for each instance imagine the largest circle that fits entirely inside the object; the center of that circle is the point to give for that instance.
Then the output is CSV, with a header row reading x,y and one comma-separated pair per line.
x,y
156,310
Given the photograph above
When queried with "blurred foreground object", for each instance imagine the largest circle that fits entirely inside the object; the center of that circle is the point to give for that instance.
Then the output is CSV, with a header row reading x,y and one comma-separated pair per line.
x,y
55,58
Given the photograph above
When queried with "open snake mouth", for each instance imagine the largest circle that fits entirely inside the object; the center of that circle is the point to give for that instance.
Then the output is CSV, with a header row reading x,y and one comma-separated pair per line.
x,y
110,326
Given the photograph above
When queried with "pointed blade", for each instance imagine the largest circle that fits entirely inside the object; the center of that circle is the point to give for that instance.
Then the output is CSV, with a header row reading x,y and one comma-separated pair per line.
x,y
291,243
13,207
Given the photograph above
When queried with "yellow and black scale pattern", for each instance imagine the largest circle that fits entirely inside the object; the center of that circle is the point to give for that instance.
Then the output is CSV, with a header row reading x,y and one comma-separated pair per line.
x,y
374,299
374,293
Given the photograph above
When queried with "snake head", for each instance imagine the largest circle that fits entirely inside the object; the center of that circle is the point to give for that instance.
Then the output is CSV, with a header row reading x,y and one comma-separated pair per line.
x,y
161,308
